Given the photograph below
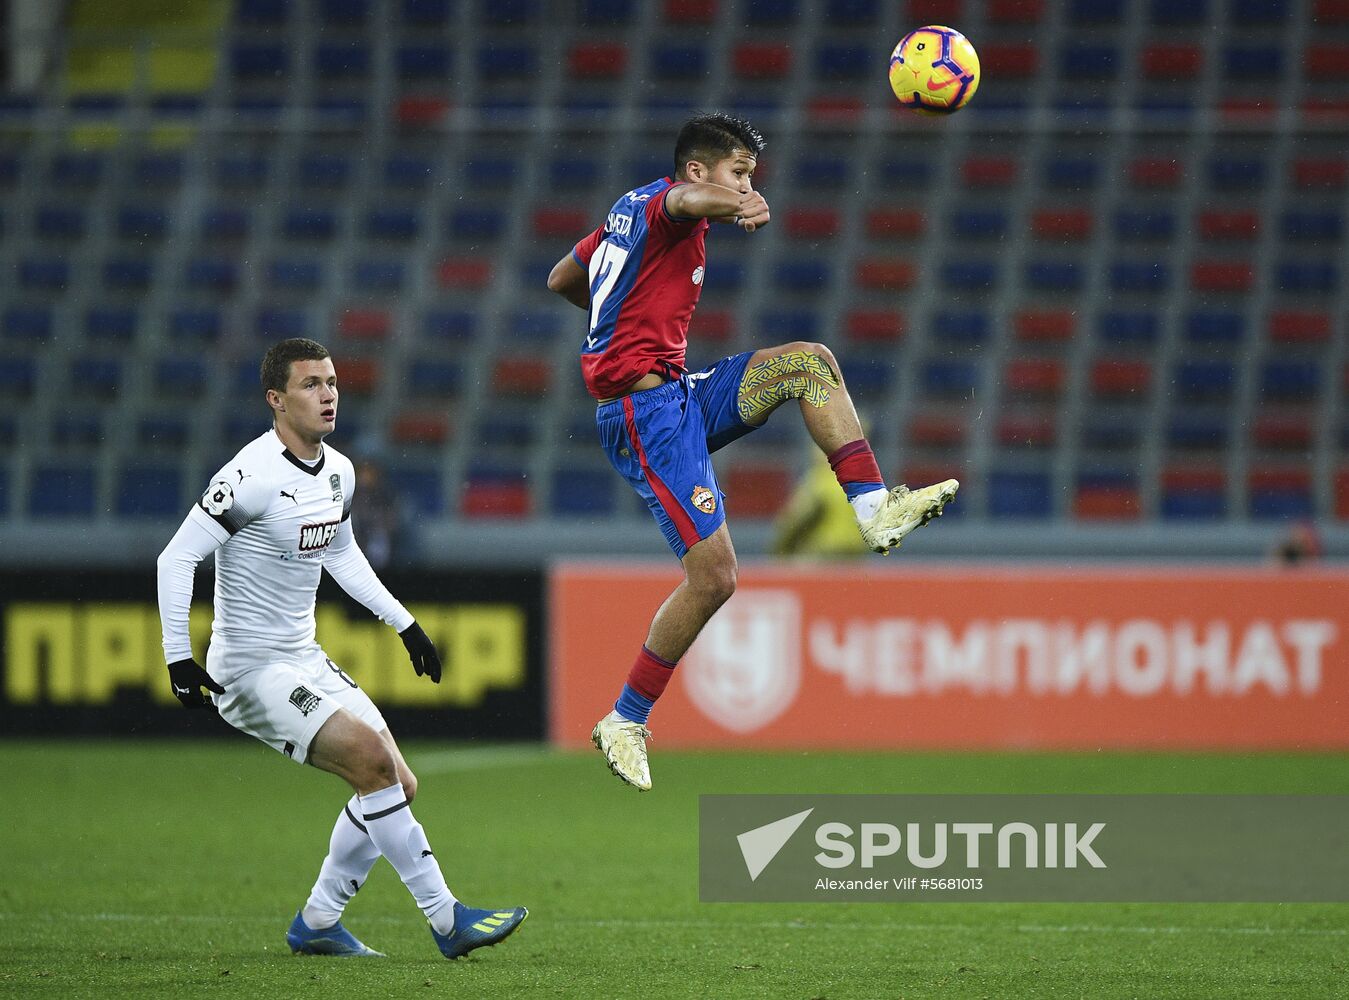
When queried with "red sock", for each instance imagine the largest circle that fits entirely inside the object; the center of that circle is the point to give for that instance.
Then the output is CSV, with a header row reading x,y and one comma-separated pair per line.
x,y
649,674
856,468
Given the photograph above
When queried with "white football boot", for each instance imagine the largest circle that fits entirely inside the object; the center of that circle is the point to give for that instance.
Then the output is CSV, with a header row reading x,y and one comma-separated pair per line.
x,y
623,743
902,511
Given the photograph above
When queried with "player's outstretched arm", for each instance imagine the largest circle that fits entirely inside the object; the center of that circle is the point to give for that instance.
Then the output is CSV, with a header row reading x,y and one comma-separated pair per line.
x,y
701,200
569,279
177,565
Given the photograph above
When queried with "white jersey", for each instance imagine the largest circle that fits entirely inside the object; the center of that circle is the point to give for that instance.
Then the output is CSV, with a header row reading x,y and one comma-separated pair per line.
x,y
276,522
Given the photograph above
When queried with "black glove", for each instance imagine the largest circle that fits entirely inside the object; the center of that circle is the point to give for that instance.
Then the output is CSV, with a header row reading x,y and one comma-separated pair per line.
x,y
188,678
422,652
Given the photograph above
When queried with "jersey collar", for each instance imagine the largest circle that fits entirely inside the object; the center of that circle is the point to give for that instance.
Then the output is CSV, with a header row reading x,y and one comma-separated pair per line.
x,y
290,457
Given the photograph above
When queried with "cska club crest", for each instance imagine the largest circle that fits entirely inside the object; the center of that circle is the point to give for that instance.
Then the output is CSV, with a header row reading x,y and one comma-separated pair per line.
x,y
704,499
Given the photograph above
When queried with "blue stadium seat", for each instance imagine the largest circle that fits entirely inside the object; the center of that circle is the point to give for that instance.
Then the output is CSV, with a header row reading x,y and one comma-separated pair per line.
x,y
392,223
295,274
770,12
606,12
1081,61
969,275
1193,505
538,324
1215,327
100,377
1196,431
324,170
50,274
59,222
679,61
1313,225
950,378
979,224
1259,11
30,323
434,378
420,487
10,169
309,224
150,491
1128,327
508,12
242,170
506,431
573,172
843,62
342,60
476,223
158,170
1140,276
126,274
1054,276
1290,381
79,170
869,378
1281,505
6,438
582,492
407,172
112,323
61,491
77,431
1168,106
802,275
1254,62
1107,432
823,170
195,323
425,13
1179,11
262,13
1237,174
142,222
181,375
968,328
345,13
18,376
1096,11
423,62
451,324
279,323
253,60
1205,379
782,325
501,62
1135,224
168,431
378,275
225,224
1071,173
1019,495
852,12
1309,276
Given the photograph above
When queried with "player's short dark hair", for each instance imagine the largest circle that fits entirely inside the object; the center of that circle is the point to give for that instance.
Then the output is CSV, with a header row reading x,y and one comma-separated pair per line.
x,y
276,362
712,137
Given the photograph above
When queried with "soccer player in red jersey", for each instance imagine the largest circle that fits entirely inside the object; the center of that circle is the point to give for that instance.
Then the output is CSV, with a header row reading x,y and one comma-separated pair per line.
x,y
639,275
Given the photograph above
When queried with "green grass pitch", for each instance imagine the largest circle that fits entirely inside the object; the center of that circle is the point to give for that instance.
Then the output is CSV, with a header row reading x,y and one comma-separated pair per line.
x,y
171,869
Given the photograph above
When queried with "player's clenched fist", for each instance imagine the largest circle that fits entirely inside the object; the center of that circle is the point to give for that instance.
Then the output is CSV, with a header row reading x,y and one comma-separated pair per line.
x,y
422,652
752,211
188,678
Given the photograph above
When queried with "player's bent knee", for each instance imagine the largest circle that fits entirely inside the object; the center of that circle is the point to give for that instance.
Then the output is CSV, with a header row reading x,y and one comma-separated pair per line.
x,y
409,783
799,370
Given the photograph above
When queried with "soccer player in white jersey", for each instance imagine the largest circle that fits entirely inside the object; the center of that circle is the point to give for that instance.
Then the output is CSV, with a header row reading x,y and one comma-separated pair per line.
x,y
275,515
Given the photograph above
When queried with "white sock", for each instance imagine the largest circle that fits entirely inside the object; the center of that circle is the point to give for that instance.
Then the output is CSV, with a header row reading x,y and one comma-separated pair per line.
x,y
400,838
351,855
865,505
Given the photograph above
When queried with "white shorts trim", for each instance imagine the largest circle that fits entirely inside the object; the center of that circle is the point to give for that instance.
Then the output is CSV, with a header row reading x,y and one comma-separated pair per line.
x,y
283,698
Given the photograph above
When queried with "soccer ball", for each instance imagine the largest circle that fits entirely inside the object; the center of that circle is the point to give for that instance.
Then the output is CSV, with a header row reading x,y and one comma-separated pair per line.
x,y
934,70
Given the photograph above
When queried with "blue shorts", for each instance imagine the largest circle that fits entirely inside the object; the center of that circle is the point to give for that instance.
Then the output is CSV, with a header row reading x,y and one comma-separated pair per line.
x,y
661,441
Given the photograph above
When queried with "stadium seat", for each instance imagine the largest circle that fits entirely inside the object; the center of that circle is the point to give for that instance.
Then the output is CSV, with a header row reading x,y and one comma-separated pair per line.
x,y
812,223
1309,277
1318,226
195,323
1156,172
1054,276
1299,327
1327,61
715,325
524,378
1071,225
1142,225
1045,325
420,428
1140,276
869,378
423,63
1016,494
111,323
27,323
275,323
309,224
428,378
1119,378
77,170
255,61
149,491
583,492
979,224
57,491
1196,431
225,224
756,490
1283,430
1089,61
1027,430
780,325
1222,276
989,171
18,376
495,498
1104,431
419,487
1290,381
1332,173
678,62
464,273
364,324
450,324
392,224
796,276
406,172
866,326
378,276
969,275
1205,380
950,379
1191,492
880,274
1036,377
98,378
761,60
1009,60
1107,496
48,274
1228,225
1140,328
342,60
181,376
1276,494
1208,326
56,222
1342,494
936,430
836,62
895,223
127,275
1162,61
295,274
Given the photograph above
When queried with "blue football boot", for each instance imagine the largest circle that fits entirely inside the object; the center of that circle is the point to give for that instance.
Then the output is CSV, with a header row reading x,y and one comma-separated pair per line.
x,y
335,940
477,929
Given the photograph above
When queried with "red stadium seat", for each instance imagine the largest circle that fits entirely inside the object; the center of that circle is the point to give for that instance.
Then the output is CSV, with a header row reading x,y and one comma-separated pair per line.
x,y
364,324
1222,276
937,431
712,324
527,378
1191,478
1342,494
464,272
886,275
1327,62
1120,378
934,11
918,474
1331,12
1283,430
1285,478
570,223
895,223
1053,224
1107,503
1027,431
421,112
419,428
1015,11
1009,61
761,60
494,499
1156,172
757,491
1247,109
1172,62
1216,225
812,223
875,325
358,376
1036,376
598,60
834,110
1329,173
989,171
690,11
1326,110
1291,327
1045,325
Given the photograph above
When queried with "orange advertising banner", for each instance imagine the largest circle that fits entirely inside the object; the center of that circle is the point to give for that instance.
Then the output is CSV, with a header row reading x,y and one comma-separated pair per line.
x,y
970,658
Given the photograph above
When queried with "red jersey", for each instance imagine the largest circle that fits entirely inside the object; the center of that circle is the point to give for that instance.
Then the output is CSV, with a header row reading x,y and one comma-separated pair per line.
x,y
646,273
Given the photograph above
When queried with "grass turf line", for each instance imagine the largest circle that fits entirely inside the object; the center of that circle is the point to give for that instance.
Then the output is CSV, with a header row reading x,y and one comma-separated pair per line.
x,y
171,869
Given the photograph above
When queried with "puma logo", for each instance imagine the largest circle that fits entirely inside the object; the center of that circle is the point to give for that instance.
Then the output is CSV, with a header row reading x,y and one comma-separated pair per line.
x,y
291,496
242,477
428,854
